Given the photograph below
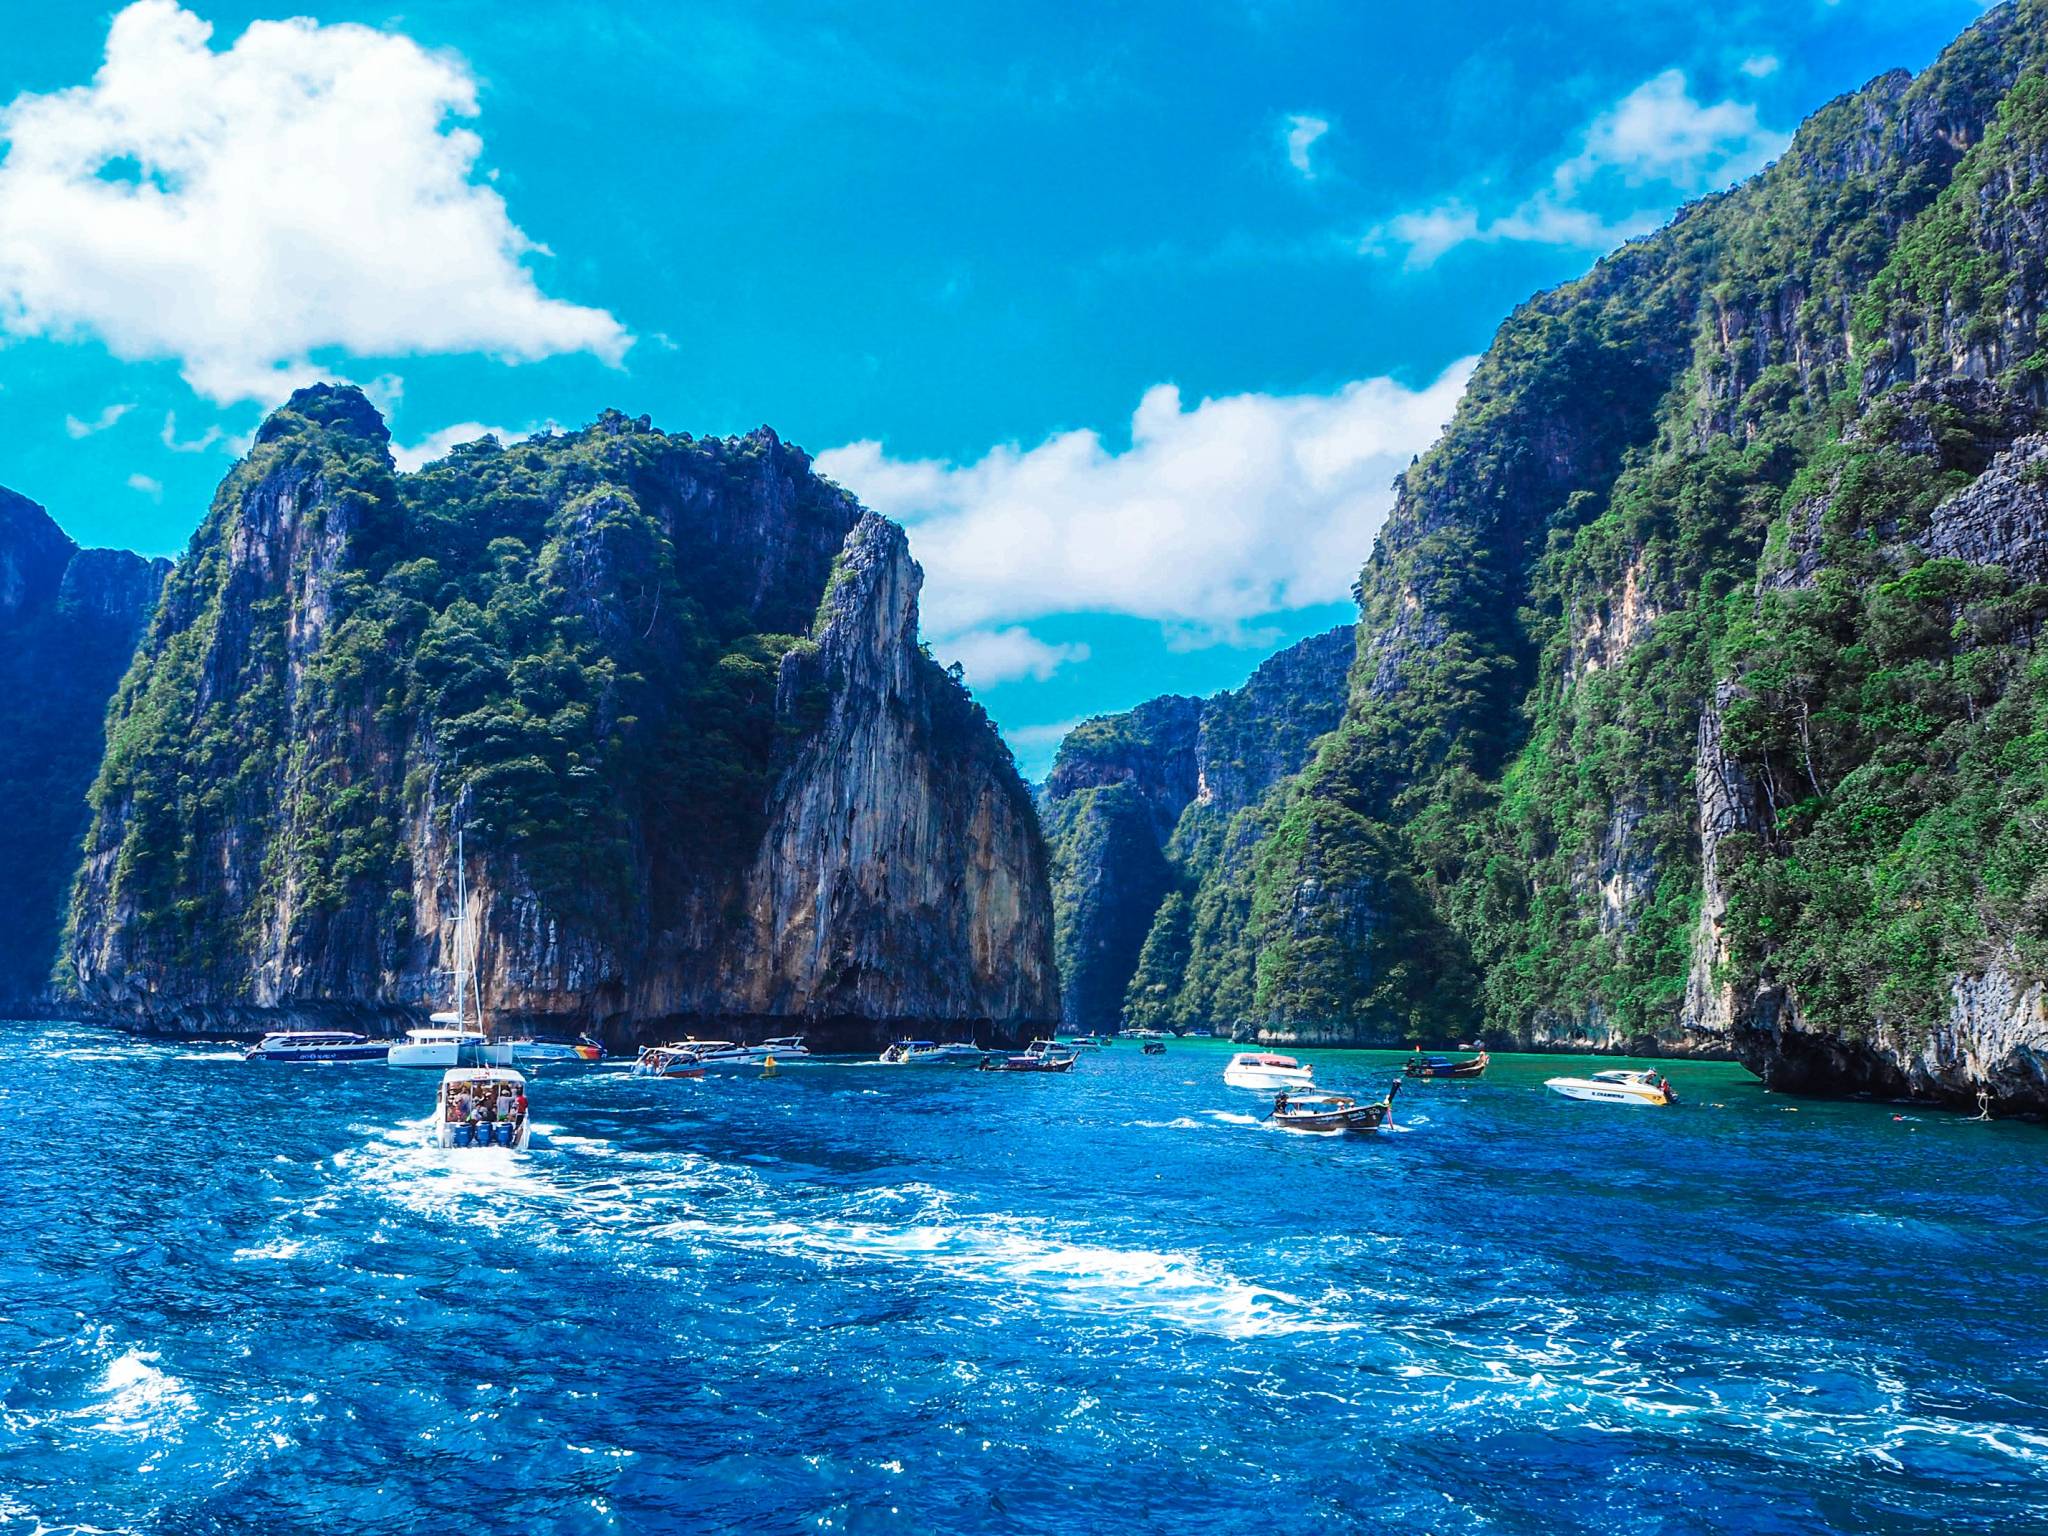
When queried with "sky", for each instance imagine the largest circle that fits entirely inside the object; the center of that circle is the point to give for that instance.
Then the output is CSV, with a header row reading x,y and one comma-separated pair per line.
x,y
1129,313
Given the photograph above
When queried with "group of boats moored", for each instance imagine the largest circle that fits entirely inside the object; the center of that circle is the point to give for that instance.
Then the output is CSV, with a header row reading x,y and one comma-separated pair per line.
x,y
1298,1105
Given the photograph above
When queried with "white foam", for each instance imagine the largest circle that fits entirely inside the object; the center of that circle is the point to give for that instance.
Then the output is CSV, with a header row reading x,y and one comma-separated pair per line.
x,y
137,1398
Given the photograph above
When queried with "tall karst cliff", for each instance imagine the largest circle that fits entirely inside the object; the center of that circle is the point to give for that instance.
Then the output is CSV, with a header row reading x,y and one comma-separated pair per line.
x,y
1698,700
69,619
669,688
1152,816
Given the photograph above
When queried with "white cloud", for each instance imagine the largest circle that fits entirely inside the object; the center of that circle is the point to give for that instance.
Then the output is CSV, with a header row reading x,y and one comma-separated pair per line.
x,y
1302,133
1213,516
153,489
437,445
992,656
239,211
1656,137
1759,66
99,423
1036,738
205,440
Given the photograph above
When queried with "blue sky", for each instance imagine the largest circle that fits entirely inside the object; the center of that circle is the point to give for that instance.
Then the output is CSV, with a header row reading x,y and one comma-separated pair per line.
x,y
1129,312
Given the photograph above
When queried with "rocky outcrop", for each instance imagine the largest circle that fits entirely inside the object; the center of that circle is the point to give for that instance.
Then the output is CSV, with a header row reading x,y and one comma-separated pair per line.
x,y
670,691
69,620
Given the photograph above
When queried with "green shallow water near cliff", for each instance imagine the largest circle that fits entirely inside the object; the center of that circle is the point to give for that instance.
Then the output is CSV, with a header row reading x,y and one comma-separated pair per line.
x,y
236,1297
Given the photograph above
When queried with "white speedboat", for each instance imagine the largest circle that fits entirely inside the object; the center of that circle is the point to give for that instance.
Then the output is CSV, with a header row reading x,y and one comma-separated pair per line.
x,y
730,1056
1620,1086
668,1061
929,1053
482,1107
1265,1071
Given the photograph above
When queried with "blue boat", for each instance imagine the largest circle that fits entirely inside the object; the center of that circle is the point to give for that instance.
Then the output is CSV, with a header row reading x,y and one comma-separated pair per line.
x,y
317,1045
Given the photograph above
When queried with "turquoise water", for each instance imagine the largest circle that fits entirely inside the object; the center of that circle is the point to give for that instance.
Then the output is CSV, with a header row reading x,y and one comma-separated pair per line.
x,y
239,1297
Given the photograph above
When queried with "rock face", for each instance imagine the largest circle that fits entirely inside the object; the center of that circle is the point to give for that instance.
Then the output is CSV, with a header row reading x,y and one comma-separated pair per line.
x,y
1698,705
69,619
1151,818
670,691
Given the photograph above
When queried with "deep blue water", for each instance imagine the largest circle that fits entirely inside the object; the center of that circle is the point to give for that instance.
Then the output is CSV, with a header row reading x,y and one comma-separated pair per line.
x,y
240,1297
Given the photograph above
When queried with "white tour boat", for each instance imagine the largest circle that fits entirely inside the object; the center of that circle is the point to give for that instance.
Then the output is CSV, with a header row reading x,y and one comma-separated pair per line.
x,y
1620,1086
1264,1071
482,1107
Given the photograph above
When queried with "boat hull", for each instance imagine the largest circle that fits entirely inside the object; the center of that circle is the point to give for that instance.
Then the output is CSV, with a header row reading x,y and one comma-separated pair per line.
x,y
1363,1117
372,1050
1268,1079
1606,1093
448,1053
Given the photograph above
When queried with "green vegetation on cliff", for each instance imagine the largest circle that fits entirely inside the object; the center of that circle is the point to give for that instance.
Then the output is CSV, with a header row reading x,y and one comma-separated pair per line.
x,y
1710,465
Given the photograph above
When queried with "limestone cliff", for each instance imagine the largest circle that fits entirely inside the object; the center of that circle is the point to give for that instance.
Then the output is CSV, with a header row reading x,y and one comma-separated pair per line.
x,y
1698,697
1153,816
69,619
669,689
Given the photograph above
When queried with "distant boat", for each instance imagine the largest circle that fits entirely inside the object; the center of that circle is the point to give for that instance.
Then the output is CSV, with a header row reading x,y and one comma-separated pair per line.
x,y
317,1045
451,1037
1043,1056
1445,1066
929,1053
668,1061
1264,1071
1332,1111
731,1056
476,1107
1619,1086
1154,1048
529,1052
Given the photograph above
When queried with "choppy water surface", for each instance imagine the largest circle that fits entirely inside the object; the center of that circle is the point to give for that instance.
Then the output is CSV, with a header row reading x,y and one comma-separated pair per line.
x,y
239,1297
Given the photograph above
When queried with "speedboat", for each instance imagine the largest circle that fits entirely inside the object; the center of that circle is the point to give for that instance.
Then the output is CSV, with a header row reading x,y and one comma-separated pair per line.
x,y
730,1056
1419,1065
668,1061
928,1053
449,1045
317,1045
1332,1111
529,1052
782,1048
1043,1056
1619,1086
1265,1071
482,1107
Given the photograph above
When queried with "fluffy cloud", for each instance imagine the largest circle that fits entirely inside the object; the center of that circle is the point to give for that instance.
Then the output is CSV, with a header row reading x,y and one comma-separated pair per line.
x,y
991,656
1656,137
1759,66
1302,133
238,211
1214,516
153,489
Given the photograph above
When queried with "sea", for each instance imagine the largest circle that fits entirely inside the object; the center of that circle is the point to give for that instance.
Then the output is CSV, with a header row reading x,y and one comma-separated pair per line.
x,y
244,1297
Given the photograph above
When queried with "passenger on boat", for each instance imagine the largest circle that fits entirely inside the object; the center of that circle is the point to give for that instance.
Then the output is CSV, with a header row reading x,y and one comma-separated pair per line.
x,y
1280,1102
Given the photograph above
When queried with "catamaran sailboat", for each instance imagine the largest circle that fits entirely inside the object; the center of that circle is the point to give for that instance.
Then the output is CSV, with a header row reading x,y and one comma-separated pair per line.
x,y
455,1037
